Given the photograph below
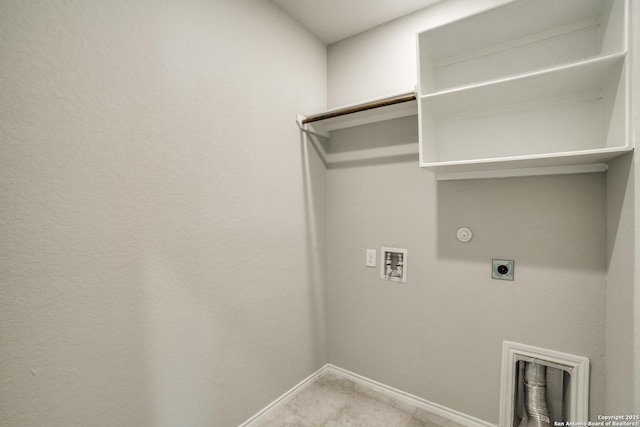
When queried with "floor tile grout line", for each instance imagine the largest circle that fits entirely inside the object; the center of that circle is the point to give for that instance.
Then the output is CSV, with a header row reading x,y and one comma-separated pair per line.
x,y
351,396
351,393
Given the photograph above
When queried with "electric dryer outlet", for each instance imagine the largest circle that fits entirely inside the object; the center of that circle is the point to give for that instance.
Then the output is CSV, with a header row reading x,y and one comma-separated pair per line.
x,y
502,269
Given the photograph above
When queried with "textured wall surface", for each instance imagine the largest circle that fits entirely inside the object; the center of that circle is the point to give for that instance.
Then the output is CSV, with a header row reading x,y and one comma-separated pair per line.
x,y
636,278
382,61
440,335
620,394
635,107
623,278
161,248
162,228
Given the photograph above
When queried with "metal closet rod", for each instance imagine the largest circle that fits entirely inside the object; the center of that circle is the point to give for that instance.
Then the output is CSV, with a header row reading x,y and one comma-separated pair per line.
x,y
398,99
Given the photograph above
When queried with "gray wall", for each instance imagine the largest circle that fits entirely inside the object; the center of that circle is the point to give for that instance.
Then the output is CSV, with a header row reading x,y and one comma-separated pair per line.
x,y
620,359
635,107
623,278
554,227
636,196
439,336
161,228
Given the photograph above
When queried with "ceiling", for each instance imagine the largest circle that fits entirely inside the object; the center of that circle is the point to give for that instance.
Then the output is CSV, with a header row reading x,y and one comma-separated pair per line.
x,y
333,20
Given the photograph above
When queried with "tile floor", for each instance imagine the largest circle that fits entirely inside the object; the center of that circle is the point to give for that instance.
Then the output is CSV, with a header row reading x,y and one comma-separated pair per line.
x,y
335,401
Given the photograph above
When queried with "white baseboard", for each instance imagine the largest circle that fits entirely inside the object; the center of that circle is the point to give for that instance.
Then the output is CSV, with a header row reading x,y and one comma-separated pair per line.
x,y
391,392
264,412
405,397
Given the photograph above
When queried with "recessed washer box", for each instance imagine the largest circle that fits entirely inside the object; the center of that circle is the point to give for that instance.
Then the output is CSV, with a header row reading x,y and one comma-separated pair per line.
x,y
393,264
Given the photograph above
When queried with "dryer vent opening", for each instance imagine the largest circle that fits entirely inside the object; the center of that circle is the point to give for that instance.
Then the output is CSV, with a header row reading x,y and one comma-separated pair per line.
x,y
541,394
541,387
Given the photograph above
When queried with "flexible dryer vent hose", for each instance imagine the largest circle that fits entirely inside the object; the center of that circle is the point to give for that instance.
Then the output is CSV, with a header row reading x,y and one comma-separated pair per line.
x,y
535,395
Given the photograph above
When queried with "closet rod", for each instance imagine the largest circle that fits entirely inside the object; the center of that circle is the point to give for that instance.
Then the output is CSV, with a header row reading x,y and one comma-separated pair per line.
x,y
398,99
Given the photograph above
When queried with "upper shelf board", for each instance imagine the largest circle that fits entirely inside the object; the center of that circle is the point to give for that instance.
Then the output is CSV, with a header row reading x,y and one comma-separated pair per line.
x,y
497,25
542,164
576,78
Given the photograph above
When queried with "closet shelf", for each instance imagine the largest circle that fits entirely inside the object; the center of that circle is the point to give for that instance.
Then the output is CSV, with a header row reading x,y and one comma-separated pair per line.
x,y
370,111
568,80
526,88
585,161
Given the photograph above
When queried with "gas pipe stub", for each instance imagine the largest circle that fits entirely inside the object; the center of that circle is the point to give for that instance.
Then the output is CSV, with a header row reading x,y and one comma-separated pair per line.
x,y
464,234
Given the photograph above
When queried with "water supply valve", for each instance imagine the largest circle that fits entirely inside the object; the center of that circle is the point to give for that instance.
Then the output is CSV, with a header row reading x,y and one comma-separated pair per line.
x,y
393,264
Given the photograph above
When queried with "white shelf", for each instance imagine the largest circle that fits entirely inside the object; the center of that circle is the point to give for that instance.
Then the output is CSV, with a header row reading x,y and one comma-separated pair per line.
x,y
584,161
519,37
531,87
582,77
513,21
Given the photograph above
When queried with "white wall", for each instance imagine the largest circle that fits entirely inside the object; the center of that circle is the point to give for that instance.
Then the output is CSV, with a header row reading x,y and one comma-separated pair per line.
x,y
382,61
161,249
440,335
